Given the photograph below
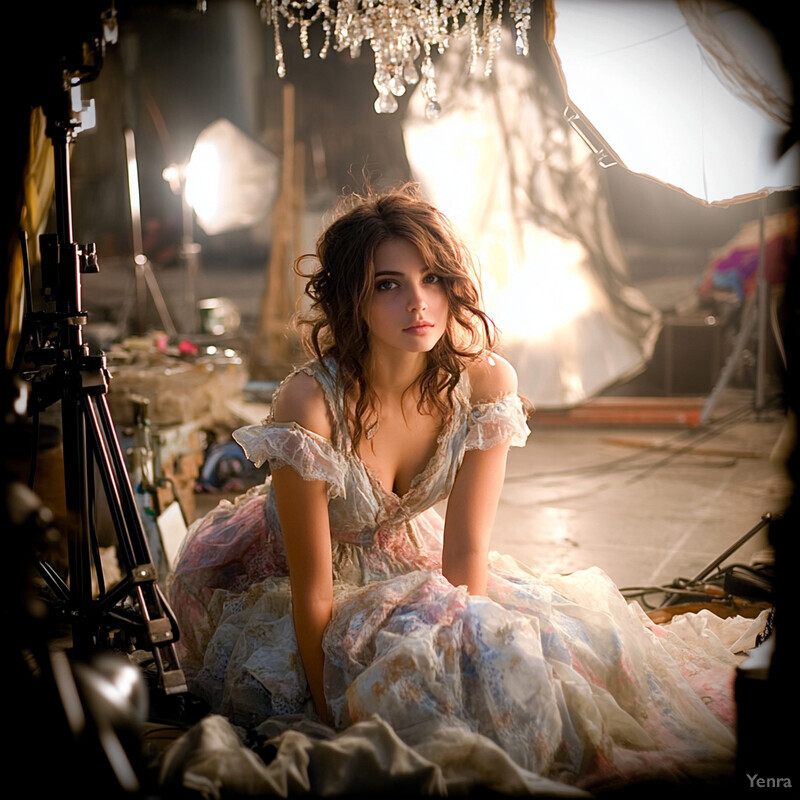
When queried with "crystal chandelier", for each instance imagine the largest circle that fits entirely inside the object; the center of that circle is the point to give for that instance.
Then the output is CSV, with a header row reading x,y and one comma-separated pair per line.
x,y
401,32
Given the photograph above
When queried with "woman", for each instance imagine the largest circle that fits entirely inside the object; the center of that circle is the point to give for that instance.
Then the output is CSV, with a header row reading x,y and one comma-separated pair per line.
x,y
337,588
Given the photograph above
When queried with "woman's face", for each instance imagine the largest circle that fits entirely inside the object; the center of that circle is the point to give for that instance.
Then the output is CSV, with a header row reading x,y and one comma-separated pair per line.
x,y
409,308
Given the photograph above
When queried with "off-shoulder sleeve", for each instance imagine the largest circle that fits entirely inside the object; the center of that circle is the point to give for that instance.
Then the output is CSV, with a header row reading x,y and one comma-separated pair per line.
x,y
287,444
491,423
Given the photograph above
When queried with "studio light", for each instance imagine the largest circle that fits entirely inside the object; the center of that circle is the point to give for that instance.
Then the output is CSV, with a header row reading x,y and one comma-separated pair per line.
x,y
230,181
692,95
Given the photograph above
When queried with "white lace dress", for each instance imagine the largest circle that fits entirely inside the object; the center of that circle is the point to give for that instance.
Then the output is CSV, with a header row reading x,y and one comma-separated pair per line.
x,y
569,679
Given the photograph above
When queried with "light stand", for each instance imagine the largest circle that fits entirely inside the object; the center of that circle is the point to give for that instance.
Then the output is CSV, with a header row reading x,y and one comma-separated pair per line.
x,y
145,277
754,321
134,613
175,176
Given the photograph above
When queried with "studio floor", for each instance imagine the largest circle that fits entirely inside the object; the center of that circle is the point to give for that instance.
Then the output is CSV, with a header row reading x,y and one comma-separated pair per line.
x,y
645,503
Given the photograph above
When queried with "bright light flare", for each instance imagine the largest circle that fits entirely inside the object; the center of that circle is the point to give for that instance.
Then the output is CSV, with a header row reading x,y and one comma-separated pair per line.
x,y
204,182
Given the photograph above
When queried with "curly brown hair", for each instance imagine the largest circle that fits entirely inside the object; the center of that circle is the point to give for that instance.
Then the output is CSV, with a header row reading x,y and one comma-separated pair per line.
x,y
340,289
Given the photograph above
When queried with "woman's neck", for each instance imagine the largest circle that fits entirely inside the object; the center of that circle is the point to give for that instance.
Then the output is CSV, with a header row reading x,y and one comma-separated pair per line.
x,y
391,375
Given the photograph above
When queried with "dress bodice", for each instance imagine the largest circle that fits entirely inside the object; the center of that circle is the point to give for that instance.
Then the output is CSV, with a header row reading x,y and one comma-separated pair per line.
x,y
359,505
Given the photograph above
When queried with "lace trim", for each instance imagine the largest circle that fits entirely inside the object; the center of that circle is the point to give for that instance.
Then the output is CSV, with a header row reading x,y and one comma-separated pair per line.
x,y
501,420
325,375
287,444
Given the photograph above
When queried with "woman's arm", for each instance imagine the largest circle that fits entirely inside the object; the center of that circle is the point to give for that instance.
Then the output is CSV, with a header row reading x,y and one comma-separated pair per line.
x,y
303,512
470,515
472,505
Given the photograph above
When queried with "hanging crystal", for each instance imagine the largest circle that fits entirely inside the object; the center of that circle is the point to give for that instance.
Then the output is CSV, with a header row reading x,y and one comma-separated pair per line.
x,y
396,85
410,74
399,31
433,110
386,103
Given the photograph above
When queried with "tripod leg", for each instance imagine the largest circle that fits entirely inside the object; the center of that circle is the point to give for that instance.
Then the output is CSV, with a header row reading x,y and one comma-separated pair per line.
x,y
158,623
114,479
77,507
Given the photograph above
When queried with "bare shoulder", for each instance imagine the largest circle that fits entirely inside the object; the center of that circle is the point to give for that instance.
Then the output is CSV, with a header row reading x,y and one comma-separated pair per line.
x,y
491,376
301,399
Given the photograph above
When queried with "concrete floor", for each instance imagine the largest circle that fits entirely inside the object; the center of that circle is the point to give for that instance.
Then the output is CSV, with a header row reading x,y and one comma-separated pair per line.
x,y
577,497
